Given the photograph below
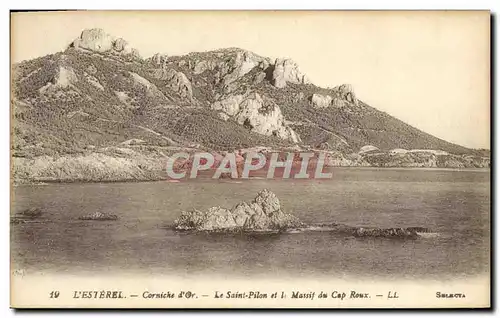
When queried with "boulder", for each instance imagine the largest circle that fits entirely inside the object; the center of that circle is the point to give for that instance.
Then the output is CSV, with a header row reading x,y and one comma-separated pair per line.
x,y
343,95
321,101
120,45
264,213
287,71
368,148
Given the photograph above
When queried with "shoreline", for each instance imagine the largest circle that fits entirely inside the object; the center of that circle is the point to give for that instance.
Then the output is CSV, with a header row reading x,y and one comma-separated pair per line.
x,y
13,183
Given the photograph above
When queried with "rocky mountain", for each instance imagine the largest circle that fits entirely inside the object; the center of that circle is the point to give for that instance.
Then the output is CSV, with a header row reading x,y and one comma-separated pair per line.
x,y
100,111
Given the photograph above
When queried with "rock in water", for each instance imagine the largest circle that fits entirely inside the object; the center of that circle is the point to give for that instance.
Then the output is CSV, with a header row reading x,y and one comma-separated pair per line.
x,y
391,232
98,216
26,215
262,214
31,213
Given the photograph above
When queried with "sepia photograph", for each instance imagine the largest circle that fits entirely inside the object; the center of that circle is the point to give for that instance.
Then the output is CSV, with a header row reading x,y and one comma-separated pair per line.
x,y
250,159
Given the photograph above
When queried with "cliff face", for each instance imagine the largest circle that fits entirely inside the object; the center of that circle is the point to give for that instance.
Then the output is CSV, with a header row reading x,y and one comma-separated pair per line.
x,y
100,93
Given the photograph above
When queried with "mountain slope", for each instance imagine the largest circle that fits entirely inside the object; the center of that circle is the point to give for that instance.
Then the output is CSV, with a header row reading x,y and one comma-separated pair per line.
x,y
99,95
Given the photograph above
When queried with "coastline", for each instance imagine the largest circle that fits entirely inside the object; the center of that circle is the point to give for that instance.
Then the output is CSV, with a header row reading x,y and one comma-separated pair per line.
x,y
202,177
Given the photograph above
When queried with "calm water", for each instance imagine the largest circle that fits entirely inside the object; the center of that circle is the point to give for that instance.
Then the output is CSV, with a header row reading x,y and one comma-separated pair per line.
x,y
454,203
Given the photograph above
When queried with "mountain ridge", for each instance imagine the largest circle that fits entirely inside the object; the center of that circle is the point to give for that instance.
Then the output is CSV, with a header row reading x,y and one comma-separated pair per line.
x,y
100,93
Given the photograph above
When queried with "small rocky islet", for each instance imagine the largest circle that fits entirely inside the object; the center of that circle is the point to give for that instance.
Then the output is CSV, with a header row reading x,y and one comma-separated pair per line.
x,y
26,216
99,216
35,215
265,215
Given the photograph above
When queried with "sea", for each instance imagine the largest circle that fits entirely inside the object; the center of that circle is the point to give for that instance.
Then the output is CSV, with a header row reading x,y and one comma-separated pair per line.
x,y
454,204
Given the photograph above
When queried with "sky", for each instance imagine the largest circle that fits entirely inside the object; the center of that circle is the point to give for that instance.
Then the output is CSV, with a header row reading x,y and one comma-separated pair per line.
x,y
429,69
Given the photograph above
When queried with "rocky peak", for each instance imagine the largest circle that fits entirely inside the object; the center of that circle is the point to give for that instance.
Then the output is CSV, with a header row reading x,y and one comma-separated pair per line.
x,y
97,40
229,64
287,71
232,64
242,63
